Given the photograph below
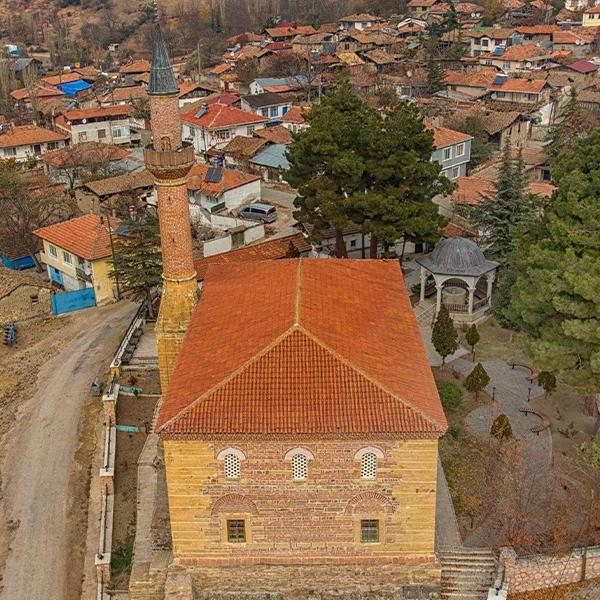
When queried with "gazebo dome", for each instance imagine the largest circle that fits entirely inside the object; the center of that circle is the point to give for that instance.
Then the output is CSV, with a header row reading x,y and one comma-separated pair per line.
x,y
457,256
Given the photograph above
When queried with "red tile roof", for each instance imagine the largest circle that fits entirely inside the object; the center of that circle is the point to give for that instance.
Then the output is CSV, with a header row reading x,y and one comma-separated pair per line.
x,y
456,230
296,114
25,135
97,113
308,356
61,78
276,135
516,84
124,94
537,29
38,92
136,66
284,247
519,53
230,180
442,136
360,18
541,188
583,66
85,236
592,11
219,116
472,190
290,31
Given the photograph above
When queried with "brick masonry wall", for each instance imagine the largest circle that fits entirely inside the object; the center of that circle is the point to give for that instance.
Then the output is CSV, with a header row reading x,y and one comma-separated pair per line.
x,y
18,306
314,521
164,117
539,572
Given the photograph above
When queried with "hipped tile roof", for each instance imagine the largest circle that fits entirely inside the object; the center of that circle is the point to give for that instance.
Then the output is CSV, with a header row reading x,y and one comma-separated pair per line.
x,y
24,135
85,236
230,180
310,355
218,116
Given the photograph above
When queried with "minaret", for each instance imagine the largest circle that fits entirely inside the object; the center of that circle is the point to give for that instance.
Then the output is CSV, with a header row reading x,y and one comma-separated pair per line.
x,y
170,161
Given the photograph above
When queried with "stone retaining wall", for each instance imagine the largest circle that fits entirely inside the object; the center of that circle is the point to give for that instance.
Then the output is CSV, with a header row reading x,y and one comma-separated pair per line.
x,y
539,572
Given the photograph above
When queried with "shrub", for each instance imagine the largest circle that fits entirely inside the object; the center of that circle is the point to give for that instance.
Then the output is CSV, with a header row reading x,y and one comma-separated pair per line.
x,y
454,431
451,394
501,428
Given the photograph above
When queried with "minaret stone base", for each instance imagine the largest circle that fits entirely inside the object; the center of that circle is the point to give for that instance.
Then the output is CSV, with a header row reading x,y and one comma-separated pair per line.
x,y
179,297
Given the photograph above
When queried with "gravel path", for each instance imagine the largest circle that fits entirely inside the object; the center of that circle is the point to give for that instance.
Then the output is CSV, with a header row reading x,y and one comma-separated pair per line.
x,y
41,454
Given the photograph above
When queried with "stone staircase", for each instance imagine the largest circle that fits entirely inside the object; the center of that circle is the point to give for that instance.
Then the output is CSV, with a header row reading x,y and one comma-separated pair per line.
x,y
467,573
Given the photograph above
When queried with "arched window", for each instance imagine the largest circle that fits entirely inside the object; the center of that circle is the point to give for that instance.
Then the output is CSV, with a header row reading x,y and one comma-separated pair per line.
x,y
232,462
299,458
299,467
368,466
369,457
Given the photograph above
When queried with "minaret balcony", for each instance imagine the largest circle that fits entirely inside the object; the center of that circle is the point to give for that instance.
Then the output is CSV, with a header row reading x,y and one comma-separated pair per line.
x,y
169,164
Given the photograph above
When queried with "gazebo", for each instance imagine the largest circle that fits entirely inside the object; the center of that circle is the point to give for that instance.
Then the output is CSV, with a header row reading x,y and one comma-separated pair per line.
x,y
455,270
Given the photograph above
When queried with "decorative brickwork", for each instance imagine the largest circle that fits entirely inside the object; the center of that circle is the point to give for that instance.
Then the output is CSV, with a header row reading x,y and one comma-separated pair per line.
x,y
164,117
302,522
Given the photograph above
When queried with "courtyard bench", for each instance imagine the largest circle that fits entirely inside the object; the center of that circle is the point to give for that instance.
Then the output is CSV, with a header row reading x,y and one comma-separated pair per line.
x,y
533,372
545,422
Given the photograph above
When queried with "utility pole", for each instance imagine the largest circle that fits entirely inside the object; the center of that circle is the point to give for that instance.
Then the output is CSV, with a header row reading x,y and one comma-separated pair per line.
x,y
199,60
112,250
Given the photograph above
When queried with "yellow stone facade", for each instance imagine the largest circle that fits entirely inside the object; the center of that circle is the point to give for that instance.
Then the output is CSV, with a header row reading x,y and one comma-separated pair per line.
x,y
313,521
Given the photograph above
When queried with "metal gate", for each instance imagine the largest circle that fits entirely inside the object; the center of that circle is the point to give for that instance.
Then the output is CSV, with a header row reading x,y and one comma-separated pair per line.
x,y
70,301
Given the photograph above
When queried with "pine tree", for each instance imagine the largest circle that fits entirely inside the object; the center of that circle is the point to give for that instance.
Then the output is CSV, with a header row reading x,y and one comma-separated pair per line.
x,y
499,217
435,77
444,336
554,299
477,379
137,262
548,382
501,428
472,337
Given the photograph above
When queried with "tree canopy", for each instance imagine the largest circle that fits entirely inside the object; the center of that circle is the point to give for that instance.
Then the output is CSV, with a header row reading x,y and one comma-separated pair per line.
x,y
554,299
444,336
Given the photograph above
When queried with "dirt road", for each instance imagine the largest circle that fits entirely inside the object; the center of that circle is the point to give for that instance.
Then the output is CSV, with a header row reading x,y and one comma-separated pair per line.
x,y
41,457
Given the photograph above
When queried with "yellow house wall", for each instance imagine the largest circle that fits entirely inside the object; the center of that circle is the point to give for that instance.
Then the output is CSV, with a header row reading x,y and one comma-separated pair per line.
x,y
104,285
312,521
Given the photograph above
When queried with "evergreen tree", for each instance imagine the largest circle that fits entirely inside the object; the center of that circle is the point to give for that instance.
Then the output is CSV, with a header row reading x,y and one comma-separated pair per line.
x,y
501,428
137,262
480,149
400,181
499,217
444,336
472,337
477,379
435,77
548,381
554,299
326,162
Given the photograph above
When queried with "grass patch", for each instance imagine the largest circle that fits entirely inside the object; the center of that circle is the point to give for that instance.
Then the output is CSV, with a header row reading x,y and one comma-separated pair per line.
x,y
121,561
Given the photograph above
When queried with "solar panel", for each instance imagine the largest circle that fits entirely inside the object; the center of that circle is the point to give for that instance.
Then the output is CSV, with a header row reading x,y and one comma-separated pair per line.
x,y
201,112
213,175
500,80
498,51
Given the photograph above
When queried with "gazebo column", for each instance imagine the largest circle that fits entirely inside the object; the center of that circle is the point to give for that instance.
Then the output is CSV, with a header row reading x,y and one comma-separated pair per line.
x,y
423,281
438,296
490,284
471,298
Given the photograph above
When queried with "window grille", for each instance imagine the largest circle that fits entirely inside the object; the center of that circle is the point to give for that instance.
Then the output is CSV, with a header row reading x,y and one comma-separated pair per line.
x,y
299,467
236,531
369,531
368,466
231,465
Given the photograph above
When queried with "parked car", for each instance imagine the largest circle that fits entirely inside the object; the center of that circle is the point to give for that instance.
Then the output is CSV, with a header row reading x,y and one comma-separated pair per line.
x,y
259,212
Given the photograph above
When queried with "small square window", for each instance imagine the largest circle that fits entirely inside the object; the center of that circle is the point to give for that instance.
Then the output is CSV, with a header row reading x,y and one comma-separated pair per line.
x,y
82,136
236,531
352,243
369,531
101,134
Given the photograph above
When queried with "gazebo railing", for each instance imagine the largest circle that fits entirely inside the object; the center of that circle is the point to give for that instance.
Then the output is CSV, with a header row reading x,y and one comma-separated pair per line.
x,y
457,308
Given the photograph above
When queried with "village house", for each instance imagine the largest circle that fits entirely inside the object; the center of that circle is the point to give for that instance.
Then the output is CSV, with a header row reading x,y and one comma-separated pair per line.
x,y
320,43
287,34
356,455
135,67
124,95
108,125
452,149
191,91
486,40
23,296
215,124
24,142
38,94
271,162
268,104
517,58
241,149
514,89
104,194
216,188
578,41
359,21
294,119
21,72
279,85
420,8
76,254
473,84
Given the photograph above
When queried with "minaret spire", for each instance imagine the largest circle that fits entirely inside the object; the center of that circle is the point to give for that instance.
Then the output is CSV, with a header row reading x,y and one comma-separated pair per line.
x,y
170,161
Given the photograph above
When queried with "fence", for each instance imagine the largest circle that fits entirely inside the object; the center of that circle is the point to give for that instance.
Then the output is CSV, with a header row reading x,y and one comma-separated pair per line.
x,y
70,301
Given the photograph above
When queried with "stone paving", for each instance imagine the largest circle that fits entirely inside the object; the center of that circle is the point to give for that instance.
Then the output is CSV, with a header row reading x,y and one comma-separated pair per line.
x,y
511,392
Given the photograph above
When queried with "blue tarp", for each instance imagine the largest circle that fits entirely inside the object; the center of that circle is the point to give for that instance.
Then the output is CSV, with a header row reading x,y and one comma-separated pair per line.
x,y
74,87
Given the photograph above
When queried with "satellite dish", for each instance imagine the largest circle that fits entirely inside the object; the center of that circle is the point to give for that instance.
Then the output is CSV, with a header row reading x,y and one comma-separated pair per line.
x,y
84,121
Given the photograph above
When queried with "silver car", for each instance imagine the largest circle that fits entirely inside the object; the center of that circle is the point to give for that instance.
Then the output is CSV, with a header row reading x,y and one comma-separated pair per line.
x,y
259,212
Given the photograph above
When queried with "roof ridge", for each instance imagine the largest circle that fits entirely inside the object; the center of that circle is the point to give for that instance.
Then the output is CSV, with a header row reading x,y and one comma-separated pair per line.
x,y
368,377
254,358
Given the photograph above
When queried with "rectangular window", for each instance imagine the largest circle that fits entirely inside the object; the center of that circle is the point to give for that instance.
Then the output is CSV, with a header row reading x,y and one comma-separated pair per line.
x,y
369,531
460,150
250,130
10,151
264,112
67,258
34,299
52,145
274,111
101,134
236,531
500,94
455,172
532,97
118,132
485,43
223,134
447,153
52,250
82,137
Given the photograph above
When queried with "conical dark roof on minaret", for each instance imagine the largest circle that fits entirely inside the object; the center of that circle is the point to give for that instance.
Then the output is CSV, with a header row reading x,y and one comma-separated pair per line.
x,y
162,79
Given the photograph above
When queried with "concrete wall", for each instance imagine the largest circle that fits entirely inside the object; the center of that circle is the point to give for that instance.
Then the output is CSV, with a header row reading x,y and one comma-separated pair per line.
x,y
25,302
226,243
91,132
203,139
22,153
539,572
301,522
104,285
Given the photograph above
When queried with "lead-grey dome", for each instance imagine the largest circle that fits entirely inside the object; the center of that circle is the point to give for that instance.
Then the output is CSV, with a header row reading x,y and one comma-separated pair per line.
x,y
457,256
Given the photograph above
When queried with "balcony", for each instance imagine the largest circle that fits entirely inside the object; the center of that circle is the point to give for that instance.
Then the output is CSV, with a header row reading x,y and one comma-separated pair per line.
x,y
169,164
